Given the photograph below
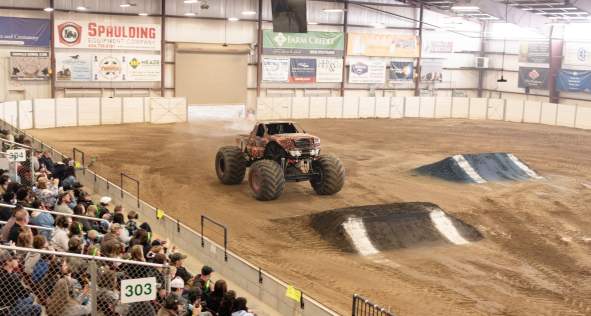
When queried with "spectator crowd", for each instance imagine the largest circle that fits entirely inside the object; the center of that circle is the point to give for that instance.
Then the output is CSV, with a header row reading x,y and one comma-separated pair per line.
x,y
47,283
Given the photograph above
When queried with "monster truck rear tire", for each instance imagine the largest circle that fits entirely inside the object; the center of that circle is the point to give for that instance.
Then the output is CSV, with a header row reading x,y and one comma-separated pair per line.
x,y
266,180
230,165
331,176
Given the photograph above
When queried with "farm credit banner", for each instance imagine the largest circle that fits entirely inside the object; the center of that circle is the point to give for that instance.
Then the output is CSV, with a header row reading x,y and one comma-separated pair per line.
x,y
24,32
306,44
383,45
107,67
97,34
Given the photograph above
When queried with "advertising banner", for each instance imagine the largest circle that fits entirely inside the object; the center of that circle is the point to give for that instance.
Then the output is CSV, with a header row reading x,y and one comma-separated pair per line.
x,y
432,70
574,81
29,65
310,44
24,32
534,52
383,45
367,71
73,67
128,67
329,70
439,46
143,67
535,78
302,70
401,71
577,54
275,69
105,34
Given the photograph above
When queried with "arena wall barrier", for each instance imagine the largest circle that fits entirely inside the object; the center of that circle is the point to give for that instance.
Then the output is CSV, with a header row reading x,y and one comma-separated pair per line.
x,y
267,288
351,107
65,112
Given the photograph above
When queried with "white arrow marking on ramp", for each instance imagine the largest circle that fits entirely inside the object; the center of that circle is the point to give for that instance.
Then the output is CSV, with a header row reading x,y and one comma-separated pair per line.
x,y
447,228
465,165
356,230
523,167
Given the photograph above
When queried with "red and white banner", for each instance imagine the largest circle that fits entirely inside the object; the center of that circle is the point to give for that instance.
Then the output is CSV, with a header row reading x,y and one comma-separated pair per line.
x,y
96,34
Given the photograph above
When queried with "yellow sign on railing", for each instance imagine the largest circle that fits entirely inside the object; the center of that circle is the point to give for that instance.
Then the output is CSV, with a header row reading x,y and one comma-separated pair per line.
x,y
293,293
159,214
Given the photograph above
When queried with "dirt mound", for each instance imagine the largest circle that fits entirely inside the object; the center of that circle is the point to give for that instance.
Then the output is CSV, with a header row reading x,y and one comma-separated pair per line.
x,y
480,168
370,229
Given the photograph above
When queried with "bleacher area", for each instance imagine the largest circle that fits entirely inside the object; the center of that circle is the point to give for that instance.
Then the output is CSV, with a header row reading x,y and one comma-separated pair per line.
x,y
65,253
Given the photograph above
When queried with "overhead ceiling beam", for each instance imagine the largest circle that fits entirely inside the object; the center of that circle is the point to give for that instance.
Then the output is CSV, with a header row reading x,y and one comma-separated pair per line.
x,y
584,5
514,15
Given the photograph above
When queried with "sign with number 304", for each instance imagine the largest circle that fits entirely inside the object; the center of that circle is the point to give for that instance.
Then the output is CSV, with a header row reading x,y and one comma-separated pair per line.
x,y
138,290
14,155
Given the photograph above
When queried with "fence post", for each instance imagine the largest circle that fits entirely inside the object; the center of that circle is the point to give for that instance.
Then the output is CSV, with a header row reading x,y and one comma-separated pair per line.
x,y
93,287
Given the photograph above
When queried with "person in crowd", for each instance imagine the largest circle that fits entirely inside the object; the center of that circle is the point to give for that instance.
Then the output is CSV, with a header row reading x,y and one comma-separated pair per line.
x,y
177,260
4,181
25,238
240,309
103,207
42,219
227,304
85,200
170,306
193,297
21,219
108,295
75,245
20,302
6,212
177,287
60,238
63,302
63,201
132,225
119,218
112,249
215,298
141,237
113,234
47,192
46,161
203,280
23,196
5,232
94,250
31,259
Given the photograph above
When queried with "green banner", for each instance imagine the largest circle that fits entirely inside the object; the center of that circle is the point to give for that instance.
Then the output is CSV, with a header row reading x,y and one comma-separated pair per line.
x,y
310,44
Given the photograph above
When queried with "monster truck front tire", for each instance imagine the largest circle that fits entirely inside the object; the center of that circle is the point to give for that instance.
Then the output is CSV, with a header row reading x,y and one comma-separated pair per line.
x,y
331,176
230,165
266,180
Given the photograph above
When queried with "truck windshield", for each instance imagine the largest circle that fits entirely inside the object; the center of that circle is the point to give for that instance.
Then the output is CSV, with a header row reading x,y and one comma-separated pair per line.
x,y
281,128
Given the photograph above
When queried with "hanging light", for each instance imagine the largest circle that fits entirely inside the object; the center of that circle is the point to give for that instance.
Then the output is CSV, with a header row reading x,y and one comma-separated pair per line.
x,y
502,79
48,9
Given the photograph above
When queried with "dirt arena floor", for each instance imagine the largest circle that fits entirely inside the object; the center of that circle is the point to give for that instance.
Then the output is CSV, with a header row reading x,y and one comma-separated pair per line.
x,y
535,258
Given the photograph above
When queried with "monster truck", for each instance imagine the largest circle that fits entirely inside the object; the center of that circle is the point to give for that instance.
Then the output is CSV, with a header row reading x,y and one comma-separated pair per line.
x,y
277,152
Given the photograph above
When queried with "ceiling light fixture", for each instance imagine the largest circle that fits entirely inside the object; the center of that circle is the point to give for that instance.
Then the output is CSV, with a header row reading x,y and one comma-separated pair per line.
x,y
142,14
312,23
379,26
464,8
233,19
249,12
125,5
48,9
190,1
333,10
190,14
81,8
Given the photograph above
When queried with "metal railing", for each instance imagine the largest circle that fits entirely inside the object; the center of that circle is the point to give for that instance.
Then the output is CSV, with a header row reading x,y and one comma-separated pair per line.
x,y
74,151
58,282
31,226
363,307
56,213
137,182
222,226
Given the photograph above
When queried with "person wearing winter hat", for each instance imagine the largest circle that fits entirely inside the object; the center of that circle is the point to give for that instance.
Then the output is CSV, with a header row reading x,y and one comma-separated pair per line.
x,y
103,206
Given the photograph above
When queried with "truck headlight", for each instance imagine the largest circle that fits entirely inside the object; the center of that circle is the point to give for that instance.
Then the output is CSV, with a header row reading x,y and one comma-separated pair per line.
x,y
314,152
295,153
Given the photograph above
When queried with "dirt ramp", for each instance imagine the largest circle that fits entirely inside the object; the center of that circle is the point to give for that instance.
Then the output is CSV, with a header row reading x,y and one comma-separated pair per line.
x,y
480,168
368,230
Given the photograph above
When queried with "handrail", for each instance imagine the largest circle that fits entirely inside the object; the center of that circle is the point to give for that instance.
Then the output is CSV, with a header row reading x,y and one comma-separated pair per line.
x,y
203,218
74,151
31,226
75,255
137,183
56,213
363,307
15,143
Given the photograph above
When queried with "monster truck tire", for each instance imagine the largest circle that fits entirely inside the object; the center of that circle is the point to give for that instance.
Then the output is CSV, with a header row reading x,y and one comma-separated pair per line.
x,y
230,165
266,180
332,175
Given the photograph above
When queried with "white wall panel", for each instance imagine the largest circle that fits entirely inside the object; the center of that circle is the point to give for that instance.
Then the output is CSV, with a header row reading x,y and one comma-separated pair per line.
x,y
264,108
111,111
549,113
367,107
133,110
443,107
334,107
397,107
89,111
460,107
478,108
300,107
412,107
67,111
281,108
317,107
11,112
168,110
44,110
583,117
514,110
351,107
565,115
382,107
496,109
25,114
532,111
427,107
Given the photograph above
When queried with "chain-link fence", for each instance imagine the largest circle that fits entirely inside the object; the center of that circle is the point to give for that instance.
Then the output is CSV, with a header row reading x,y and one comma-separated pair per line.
x,y
43,282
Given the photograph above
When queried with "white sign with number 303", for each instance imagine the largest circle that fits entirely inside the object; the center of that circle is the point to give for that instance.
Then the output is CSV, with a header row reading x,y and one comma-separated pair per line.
x,y
16,155
138,290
